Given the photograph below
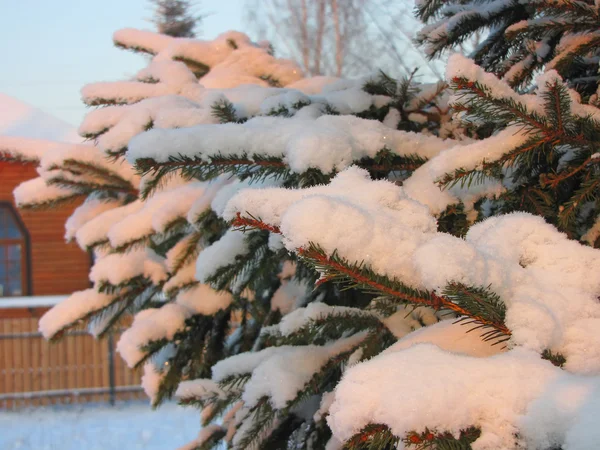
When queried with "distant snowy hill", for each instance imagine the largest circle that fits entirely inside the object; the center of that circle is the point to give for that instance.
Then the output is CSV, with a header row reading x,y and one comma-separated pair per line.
x,y
18,118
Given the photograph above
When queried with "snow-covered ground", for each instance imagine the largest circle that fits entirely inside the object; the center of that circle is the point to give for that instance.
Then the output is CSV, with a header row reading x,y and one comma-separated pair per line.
x,y
128,426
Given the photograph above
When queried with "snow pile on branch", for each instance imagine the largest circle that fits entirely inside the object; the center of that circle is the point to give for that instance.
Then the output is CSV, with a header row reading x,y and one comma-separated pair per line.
x,y
186,66
551,302
546,282
294,364
333,142
64,166
507,395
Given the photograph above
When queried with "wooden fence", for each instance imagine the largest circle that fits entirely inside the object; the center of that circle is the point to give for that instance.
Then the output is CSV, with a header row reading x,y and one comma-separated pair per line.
x,y
78,368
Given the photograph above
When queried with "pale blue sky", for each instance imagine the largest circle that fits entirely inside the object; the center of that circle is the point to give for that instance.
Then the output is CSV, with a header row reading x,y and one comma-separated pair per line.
x,y
50,48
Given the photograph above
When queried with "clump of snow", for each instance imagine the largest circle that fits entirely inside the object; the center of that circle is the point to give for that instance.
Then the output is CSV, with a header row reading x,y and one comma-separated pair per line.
x,y
461,66
451,336
500,394
156,214
150,325
408,319
300,317
91,208
183,278
202,204
118,124
198,388
24,148
72,309
247,66
118,268
308,215
36,191
422,186
289,295
55,154
96,229
326,400
207,52
241,364
220,254
202,299
280,372
151,380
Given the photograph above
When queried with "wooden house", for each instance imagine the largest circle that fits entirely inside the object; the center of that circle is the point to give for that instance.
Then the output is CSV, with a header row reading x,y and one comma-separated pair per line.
x,y
34,258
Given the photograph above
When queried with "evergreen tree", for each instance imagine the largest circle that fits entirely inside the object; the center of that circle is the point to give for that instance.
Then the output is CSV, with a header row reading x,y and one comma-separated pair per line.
x,y
523,37
553,172
174,18
306,260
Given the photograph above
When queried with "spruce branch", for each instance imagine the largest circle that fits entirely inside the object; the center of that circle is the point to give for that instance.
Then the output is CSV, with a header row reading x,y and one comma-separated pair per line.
x,y
213,440
386,162
86,187
529,198
553,180
249,222
52,203
253,269
263,417
589,190
6,155
132,296
568,60
465,25
210,225
428,9
271,81
198,68
328,328
194,355
254,168
442,441
453,220
380,437
188,253
225,112
134,48
356,275
470,177
233,385
384,85
106,175
373,437
91,136
338,269
480,101
258,167
555,358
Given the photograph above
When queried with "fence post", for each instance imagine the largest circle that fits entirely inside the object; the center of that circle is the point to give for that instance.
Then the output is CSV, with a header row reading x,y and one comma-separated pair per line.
x,y
111,370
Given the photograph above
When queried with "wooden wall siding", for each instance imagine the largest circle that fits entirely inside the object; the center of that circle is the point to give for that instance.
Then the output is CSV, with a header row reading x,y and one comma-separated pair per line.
x,y
31,365
56,267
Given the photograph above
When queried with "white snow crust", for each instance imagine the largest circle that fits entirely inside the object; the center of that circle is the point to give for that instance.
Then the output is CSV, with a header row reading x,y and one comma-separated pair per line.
x,y
504,395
